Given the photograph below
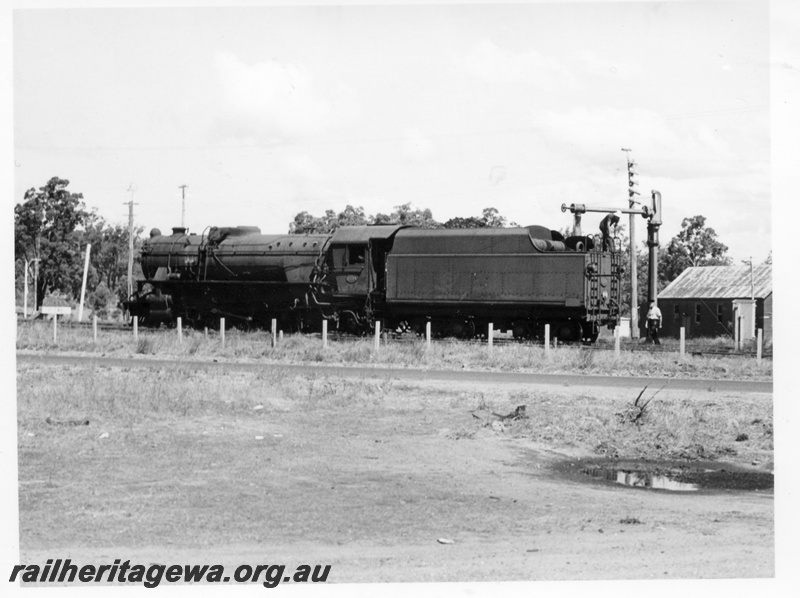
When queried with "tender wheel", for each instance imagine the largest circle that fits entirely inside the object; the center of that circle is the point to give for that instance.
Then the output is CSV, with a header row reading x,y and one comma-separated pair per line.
x,y
520,331
590,332
466,330
418,326
568,331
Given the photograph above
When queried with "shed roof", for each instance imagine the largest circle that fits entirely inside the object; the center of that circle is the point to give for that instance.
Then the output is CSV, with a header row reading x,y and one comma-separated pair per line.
x,y
722,282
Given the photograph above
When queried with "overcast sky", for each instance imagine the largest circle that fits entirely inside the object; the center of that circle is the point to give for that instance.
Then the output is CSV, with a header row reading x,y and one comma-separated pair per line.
x,y
264,112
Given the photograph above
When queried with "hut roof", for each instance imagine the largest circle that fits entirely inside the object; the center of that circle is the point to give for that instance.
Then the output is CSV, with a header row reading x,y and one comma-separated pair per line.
x,y
720,282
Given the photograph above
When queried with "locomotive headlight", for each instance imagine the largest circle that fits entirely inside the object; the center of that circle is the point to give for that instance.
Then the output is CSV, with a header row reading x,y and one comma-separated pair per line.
x,y
605,297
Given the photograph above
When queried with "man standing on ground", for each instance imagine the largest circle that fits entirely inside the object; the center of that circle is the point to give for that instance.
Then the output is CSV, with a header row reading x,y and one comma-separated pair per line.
x,y
653,322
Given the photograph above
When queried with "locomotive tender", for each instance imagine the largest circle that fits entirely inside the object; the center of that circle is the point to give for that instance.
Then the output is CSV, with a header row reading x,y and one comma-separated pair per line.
x,y
461,280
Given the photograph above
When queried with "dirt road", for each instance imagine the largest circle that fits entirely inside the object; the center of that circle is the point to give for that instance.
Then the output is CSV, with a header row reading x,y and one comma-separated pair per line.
x,y
367,476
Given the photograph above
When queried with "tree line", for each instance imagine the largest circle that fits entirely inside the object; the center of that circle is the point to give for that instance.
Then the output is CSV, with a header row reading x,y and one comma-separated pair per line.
x,y
51,230
52,227
304,223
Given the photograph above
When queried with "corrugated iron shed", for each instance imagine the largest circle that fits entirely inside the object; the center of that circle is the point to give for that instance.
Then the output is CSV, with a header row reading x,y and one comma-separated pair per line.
x,y
722,282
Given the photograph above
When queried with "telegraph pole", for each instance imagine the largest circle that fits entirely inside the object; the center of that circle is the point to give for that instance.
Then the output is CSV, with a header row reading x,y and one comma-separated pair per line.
x,y
183,201
634,261
132,190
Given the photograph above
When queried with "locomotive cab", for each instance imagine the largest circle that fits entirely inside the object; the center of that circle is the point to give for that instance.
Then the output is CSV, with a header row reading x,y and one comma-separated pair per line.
x,y
351,268
356,259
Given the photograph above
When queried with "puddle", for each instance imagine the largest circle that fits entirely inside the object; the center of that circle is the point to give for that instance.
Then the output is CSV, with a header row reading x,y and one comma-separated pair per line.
x,y
673,476
641,479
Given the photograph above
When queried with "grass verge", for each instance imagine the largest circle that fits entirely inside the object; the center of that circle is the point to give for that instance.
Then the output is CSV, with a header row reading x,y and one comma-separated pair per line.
x,y
256,346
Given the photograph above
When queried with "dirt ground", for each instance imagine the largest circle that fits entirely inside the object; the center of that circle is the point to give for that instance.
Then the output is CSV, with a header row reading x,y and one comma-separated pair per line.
x,y
403,484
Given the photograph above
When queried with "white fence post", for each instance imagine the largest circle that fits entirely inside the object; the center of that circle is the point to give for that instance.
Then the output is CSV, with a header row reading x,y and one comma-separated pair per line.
x,y
180,330
683,342
547,339
280,336
737,332
222,332
616,341
428,334
274,332
94,328
759,343
324,333
490,336
135,328
55,328
377,335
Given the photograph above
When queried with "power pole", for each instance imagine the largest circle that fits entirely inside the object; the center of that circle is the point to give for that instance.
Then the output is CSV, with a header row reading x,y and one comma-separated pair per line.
x,y
132,189
634,261
183,201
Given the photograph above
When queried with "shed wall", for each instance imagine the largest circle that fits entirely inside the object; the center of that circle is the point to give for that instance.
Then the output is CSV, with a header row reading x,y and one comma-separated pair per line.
x,y
705,317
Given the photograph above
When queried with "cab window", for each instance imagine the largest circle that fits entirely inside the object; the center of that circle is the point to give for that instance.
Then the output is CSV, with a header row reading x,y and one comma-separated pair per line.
x,y
356,255
339,255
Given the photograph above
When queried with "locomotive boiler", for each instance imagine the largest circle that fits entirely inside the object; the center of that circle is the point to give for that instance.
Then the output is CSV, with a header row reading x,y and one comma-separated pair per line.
x,y
231,272
517,279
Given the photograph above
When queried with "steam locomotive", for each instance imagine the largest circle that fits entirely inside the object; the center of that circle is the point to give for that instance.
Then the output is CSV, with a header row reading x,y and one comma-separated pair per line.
x,y
461,280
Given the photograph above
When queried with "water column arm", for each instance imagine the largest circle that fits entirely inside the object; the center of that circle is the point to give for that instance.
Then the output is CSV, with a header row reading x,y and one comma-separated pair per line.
x,y
653,215
581,208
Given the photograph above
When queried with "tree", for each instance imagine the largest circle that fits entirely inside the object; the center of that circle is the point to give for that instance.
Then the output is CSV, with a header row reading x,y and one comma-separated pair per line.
x,y
305,224
109,256
351,216
459,222
102,301
694,245
491,218
407,214
48,226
